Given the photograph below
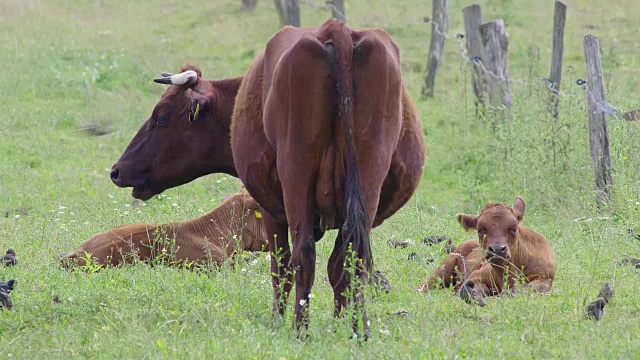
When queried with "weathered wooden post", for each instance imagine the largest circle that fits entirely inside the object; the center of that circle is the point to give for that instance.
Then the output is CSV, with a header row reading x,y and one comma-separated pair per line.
x,y
598,132
337,9
293,13
559,17
289,11
472,19
280,10
439,27
249,5
494,60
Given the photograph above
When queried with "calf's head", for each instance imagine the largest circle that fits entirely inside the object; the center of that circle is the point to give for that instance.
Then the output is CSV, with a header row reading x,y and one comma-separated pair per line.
x,y
252,234
497,227
186,136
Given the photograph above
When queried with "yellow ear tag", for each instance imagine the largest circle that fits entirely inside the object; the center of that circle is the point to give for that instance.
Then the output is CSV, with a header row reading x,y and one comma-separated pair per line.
x,y
195,115
258,215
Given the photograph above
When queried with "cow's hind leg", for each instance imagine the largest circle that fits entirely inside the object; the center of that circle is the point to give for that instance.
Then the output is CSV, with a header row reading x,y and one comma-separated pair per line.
x,y
345,287
337,276
281,275
304,262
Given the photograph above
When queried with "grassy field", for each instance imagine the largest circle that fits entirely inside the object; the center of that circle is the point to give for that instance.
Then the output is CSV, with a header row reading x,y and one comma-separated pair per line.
x,y
67,64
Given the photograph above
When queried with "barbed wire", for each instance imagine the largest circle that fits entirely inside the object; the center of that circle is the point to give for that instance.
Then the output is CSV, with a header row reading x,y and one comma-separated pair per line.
x,y
600,106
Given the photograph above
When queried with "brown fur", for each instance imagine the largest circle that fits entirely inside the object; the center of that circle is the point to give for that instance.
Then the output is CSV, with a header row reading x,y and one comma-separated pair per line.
x,y
323,134
232,226
528,256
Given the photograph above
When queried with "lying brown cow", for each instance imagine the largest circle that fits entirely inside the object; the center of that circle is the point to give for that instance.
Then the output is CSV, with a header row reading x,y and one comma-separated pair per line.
x,y
505,250
235,224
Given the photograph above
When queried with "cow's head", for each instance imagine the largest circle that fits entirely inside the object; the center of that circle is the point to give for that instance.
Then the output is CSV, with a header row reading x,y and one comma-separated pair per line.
x,y
186,136
497,227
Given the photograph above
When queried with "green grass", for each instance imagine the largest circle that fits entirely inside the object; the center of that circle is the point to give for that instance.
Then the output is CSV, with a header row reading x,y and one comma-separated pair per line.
x,y
66,63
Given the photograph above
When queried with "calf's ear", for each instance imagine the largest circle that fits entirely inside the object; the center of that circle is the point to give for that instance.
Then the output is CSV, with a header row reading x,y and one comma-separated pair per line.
x,y
518,208
468,221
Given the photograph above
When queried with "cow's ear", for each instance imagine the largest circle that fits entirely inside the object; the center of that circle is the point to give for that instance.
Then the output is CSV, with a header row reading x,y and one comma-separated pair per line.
x,y
518,208
468,221
197,106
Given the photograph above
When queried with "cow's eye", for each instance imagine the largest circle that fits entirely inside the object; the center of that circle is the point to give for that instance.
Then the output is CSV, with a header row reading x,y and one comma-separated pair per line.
x,y
513,231
162,119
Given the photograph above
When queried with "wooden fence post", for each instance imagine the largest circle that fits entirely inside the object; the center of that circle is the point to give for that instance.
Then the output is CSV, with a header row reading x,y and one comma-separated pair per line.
x,y
249,5
494,60
280,10
293,13
559,17
472,19
289,11
337,9
598,133
439,28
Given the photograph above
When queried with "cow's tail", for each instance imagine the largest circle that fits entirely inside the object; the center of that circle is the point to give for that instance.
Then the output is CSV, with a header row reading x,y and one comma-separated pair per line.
x,y
354,230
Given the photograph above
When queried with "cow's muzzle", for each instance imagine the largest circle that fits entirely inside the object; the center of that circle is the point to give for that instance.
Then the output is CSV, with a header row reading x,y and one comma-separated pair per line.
x,y
497,252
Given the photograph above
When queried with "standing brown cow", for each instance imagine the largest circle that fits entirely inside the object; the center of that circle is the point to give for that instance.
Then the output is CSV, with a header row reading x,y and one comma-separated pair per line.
x,y
235,224
325,136
505,249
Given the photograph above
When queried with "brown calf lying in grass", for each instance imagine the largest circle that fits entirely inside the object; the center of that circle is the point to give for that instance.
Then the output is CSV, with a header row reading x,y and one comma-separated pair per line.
x,y
235,224
505,252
